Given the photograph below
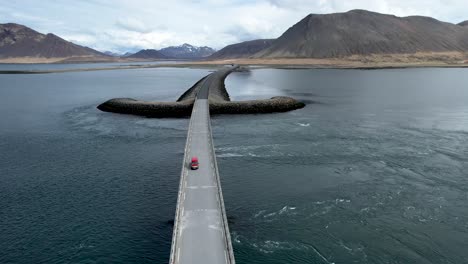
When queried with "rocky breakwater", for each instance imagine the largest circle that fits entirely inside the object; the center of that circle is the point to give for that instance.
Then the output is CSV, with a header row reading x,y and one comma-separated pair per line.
x,y
218,97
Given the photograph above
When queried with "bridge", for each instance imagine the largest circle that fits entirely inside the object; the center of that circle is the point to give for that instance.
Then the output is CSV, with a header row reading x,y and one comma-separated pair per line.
x,y
201,233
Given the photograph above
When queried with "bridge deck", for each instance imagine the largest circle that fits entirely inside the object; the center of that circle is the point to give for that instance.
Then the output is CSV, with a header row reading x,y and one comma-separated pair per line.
x,y
201,234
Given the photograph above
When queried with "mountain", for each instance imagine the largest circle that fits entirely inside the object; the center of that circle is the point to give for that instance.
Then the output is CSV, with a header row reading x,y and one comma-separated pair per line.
x,y
112,54
17,41
243,49
464,23
187,51
148,54
360,32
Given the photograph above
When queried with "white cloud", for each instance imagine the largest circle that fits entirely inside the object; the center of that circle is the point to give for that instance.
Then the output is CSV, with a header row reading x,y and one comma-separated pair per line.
x,y
132,24
123,25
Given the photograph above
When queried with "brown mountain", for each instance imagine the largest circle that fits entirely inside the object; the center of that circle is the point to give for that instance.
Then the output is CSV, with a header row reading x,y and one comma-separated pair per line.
x,y
360,32
464,23
242,50
17,41
148,54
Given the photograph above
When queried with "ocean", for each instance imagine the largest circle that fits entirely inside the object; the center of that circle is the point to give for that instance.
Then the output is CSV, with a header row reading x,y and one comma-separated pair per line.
x,y
372,170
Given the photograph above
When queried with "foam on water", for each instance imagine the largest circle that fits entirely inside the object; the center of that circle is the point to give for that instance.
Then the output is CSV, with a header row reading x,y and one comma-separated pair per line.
x,y
304,124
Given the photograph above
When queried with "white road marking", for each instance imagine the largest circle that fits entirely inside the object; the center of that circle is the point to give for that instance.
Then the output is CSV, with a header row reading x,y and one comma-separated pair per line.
x,y
201,187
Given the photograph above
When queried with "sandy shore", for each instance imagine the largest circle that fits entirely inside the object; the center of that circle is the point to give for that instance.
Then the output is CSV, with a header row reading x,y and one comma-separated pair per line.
x,y
380,61
420,59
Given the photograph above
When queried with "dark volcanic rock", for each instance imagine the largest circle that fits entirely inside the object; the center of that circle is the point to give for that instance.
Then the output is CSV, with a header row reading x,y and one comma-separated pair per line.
x,y
181,108
242,50
192,92
148,109
360,32
463,24
218,99
20,41
273,105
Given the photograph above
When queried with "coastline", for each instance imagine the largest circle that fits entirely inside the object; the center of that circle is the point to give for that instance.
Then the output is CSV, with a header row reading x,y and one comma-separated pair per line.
x,y
370,62
256,66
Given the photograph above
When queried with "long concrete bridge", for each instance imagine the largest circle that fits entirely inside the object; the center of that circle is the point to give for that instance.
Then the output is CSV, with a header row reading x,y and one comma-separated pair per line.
x,y
201,233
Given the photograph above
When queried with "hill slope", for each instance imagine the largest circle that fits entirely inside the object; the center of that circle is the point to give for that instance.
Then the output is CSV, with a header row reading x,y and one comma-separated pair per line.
x,y
464,23
148,54
243,49
20,41
186,51
362,32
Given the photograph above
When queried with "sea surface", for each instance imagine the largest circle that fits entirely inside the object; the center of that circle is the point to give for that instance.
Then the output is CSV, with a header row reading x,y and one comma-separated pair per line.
x,y
78,66
373,170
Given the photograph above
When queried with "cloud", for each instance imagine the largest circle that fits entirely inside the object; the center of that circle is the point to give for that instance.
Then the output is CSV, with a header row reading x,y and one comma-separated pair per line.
x,y
250,28
240,33
128,25
135,25
81,39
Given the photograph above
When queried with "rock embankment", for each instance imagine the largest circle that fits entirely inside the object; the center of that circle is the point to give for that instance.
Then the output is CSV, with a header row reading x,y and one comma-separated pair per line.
x,y
149,109
218,98
273,105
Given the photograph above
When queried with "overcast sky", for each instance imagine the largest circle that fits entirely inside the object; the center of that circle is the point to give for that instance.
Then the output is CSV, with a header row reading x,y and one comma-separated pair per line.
x,y
124,25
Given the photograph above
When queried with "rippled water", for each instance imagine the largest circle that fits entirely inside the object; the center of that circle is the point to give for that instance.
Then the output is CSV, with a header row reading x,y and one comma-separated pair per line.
x,y
373,170
62,66
81,186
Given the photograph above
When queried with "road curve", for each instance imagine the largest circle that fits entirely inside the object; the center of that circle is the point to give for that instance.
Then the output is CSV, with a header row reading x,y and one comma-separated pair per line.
x,y
201,233
217,95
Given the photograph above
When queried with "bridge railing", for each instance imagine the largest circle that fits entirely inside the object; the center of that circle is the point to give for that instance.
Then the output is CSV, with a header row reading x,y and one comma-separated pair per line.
x,y
227,236
179,195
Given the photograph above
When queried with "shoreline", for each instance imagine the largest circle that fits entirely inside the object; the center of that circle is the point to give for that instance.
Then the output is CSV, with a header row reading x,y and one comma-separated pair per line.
x,y
197,65
422,59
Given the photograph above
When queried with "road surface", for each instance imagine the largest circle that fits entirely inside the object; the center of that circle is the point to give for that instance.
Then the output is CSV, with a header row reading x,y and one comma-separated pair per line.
x,y
201,233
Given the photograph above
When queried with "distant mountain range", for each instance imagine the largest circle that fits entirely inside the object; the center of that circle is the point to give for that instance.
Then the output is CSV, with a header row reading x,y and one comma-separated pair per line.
x,y
20,41
184,51
113,54
337,35
187,51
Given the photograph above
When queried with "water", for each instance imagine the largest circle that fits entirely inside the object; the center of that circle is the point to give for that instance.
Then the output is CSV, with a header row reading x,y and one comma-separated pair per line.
x,y
81,186
71,66
374,171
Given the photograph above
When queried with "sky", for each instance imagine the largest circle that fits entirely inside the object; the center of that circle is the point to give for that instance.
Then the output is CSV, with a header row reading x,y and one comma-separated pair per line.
x,y
124,25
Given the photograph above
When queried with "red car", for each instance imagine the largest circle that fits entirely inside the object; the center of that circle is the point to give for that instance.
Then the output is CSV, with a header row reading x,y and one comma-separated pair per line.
x,y
194,163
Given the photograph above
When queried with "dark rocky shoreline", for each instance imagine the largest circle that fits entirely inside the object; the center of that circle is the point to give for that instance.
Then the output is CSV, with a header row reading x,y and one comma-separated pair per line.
x,y
220,102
